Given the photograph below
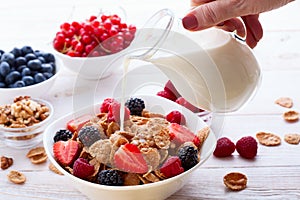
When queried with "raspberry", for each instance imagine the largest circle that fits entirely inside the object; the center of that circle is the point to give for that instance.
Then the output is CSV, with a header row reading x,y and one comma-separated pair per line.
x,y
110,177
63,135
105,104
225,147
135,105
247,147
176,117
88,135
188,156
172,167
82,168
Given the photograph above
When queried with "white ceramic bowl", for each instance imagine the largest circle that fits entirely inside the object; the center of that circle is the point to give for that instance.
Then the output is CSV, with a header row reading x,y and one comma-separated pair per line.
x,y
27,137
155,191
35,91
91,67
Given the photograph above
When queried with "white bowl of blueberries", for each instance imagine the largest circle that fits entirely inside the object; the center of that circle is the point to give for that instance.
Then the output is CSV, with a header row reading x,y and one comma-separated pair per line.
x,y
26,71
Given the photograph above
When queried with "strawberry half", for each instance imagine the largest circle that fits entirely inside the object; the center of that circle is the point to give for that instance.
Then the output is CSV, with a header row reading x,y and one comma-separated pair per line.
x,y
181,134
170,88
66,152
128,158
167,95
114,112
76,124
182,101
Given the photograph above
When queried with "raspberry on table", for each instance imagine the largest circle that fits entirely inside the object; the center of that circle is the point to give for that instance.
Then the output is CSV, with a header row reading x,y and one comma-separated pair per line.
x,y
88,135
225,147
110,177
82,168
63,135
247,147
188,156
135,105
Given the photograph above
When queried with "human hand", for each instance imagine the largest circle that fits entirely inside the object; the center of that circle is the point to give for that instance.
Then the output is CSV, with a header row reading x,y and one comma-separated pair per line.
x,y
224,14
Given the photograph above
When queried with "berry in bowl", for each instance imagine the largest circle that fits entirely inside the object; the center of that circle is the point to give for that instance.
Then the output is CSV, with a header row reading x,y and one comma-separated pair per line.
x,y
26,71
88,48
149,158
23,121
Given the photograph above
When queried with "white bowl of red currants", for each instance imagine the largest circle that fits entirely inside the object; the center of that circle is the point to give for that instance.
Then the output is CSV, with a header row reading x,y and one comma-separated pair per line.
x,y
161,145
27,71
92,48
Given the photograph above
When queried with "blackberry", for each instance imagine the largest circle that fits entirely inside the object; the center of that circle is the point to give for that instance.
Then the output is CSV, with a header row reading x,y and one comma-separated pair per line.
x,y
188,156
63,135
88,135
135,105
110,177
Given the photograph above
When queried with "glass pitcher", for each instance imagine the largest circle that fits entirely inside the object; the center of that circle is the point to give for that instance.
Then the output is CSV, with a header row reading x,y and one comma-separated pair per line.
x,y
212,69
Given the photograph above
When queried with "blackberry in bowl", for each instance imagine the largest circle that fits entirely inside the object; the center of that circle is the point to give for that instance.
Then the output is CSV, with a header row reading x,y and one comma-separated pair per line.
x,y
26,71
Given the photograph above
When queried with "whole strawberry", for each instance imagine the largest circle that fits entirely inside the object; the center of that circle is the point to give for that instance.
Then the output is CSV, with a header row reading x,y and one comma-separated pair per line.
x,y
247,147
225,147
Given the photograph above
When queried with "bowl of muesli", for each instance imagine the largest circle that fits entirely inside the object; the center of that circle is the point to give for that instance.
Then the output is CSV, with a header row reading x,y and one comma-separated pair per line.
x,y
23,120
150,153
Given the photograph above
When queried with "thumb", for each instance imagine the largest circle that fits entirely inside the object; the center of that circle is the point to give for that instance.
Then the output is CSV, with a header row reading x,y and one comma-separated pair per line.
x,y
210,14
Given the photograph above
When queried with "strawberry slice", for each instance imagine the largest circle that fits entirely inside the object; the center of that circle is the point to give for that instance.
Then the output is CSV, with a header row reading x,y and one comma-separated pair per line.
x,y
167,95
105,105
182,101
76,124
114,112
170,88
128,158
172,167
181,134
66,152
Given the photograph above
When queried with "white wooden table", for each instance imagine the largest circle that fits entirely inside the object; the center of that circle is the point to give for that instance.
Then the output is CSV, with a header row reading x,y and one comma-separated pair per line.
x,y
274,174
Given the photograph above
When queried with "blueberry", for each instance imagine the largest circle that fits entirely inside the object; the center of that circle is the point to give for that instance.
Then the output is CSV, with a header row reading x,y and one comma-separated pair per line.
x,y
18,84
35,64
2,85
49,57
4,68
30,56
39,77
47,68
26,71
38,53
26,50
1,52
20,61
8,57
2,78
42,59
47,75
17,52
20,68
28,80
12,77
